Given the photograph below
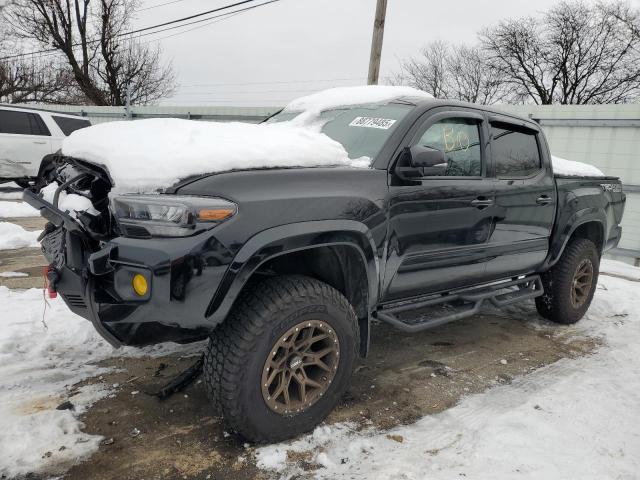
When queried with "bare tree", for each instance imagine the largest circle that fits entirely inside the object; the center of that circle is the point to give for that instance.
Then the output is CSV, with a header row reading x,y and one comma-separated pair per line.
x,y
575,54
90,36
427,71
451,71
31,80
470,79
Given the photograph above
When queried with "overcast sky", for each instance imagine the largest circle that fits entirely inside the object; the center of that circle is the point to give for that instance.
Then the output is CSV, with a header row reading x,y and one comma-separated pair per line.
x,y
274,53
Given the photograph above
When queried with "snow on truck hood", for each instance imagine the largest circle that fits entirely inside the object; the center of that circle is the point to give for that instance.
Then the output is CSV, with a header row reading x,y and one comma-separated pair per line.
x,y
144,155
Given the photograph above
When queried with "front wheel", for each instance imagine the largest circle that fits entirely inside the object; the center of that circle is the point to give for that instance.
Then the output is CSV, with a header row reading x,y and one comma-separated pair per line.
x,y
570,284
281,361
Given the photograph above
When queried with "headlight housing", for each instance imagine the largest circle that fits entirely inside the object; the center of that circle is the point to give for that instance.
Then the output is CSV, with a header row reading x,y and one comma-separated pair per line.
x,y
164,215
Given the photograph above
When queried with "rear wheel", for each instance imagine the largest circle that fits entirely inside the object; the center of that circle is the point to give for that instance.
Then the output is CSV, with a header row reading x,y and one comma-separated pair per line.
x,y
569,286
282,359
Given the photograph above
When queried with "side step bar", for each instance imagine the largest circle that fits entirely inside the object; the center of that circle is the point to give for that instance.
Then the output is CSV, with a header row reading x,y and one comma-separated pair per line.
x,y
464,303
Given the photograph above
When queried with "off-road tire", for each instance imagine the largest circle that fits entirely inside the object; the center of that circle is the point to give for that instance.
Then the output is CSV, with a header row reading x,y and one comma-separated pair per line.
x,y
237,351
556,304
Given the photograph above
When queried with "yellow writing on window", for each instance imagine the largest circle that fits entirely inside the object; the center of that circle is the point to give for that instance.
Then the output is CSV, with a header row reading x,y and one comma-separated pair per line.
x,y
455,139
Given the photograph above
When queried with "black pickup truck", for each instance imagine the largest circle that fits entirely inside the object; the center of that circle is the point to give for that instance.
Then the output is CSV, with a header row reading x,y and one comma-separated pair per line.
x,y
284,269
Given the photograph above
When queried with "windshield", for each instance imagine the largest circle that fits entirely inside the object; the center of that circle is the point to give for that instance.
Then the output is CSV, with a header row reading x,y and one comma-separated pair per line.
x,y
362,130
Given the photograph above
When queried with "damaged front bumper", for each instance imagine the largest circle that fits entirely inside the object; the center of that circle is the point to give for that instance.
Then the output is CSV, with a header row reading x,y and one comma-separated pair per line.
x,y
94,278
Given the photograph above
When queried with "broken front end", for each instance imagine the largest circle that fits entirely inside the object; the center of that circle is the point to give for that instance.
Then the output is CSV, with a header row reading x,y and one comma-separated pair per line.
x,y
142,268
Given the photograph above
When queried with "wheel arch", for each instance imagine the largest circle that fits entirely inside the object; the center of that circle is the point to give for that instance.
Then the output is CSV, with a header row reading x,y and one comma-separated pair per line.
x,y
339,253
587,224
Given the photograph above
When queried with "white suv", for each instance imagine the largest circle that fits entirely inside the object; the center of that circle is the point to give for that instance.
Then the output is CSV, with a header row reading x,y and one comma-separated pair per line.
x,y
27,135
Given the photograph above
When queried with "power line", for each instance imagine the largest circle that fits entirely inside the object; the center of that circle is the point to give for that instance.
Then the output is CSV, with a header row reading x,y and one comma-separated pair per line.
x,y
159,5
146,29
271,82
247,92
196,15
227,14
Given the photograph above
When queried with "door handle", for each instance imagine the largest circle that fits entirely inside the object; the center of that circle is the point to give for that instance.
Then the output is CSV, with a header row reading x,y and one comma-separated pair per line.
x,y
544,200
482,202
40,143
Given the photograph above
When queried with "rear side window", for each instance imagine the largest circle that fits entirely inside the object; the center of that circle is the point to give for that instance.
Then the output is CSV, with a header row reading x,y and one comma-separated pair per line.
x,y
515,152
70,125
22,123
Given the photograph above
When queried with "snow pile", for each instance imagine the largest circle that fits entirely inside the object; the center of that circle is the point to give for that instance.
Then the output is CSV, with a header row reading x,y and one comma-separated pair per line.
x,y
562,166
13,274
572,419
14,236
148,154
314,104
619,269
10,191
38,367
71,203
10,195
17,209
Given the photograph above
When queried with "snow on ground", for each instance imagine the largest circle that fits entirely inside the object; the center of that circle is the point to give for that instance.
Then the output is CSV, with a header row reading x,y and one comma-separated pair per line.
x,y
562,166
13,274
17,209
40,361
14,236
10,191
577,418
622,269
156,153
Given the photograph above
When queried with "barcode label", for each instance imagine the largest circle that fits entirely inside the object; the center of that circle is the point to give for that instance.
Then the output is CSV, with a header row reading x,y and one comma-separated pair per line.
x,y
371,122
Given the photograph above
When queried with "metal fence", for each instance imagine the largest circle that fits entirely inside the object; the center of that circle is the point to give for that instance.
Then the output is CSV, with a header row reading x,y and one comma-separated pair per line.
x,y
607,136
212,114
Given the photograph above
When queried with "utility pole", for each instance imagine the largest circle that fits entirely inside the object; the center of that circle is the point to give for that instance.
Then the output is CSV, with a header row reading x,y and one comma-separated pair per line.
x,y
127,107
376,42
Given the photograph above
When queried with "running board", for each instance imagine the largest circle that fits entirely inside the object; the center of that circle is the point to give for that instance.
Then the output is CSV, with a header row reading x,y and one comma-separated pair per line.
x,y
460,304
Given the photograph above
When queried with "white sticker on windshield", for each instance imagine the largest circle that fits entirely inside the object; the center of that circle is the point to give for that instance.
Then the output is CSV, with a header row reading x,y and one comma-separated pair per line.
x,y
371,122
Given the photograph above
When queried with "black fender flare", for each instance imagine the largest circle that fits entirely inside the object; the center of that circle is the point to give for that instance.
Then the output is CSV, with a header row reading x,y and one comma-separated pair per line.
x,y
290,238
579,218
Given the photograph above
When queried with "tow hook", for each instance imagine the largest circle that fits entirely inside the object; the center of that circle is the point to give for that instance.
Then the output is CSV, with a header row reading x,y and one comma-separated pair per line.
x,y
51,277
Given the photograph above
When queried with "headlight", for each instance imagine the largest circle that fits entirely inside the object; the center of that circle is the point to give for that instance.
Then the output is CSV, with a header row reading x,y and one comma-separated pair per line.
x,y
168,215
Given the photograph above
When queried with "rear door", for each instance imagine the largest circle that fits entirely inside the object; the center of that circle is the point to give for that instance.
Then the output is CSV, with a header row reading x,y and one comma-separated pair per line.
x,y
24,140
525,198
439,224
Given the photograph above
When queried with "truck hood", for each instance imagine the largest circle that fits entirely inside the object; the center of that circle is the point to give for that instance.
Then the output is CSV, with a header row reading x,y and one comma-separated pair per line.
x,y
147,155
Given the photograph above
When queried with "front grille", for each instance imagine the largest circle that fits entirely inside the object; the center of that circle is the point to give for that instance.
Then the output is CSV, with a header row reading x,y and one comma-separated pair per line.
x,y
53,245
74,300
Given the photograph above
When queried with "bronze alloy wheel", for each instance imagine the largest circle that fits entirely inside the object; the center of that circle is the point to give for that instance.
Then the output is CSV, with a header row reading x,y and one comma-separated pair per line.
x,y
300,367
582,281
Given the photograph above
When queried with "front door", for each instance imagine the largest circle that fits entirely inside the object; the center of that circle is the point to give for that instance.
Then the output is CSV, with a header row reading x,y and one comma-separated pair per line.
x,y
439,223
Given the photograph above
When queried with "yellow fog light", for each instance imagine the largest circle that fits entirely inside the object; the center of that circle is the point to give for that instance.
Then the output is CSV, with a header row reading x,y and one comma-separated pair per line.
x,y
139,284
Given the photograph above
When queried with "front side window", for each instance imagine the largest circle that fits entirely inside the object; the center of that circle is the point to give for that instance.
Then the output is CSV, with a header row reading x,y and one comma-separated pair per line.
x,y
459,140
514,152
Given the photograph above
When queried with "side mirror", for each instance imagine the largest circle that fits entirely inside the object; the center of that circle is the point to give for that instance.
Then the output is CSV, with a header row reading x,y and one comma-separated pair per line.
x,y
425,157
419,161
